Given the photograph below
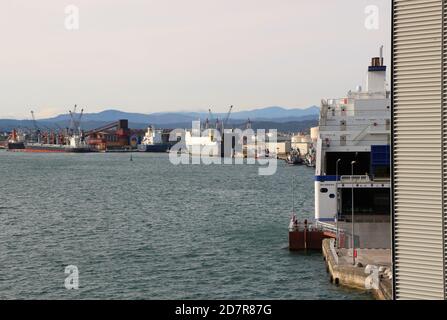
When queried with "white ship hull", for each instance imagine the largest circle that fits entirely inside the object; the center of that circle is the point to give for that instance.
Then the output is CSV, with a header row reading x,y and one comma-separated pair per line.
x,y
352,151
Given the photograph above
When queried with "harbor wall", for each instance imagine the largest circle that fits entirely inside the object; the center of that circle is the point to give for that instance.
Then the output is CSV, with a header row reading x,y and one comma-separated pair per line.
x,y
352,276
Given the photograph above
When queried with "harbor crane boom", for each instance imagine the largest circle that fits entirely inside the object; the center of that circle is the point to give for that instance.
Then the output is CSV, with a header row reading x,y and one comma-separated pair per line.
x,y
228,116
75,124
248,124
72,124
103,128
78,125
34,120
211,117
72,120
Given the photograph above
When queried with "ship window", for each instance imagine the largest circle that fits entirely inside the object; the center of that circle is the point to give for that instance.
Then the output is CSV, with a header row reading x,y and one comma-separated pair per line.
x,y
374,202
344,169
324,190
332,196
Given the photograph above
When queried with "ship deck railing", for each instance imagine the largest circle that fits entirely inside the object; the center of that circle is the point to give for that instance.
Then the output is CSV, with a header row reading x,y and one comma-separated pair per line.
x,y
355,178
302,227
325,226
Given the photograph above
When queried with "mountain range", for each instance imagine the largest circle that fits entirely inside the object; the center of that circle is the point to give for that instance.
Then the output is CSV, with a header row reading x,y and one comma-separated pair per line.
x,y
272,117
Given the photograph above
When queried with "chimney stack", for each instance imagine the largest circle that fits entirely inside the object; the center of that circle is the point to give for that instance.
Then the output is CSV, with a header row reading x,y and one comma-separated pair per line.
x,y
377,74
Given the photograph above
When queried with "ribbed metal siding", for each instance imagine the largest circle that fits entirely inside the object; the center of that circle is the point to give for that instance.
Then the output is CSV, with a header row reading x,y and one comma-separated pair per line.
x,y
417,151
444,133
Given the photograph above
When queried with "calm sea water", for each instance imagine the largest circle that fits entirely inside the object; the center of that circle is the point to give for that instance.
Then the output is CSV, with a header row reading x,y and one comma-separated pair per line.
x,y
150,230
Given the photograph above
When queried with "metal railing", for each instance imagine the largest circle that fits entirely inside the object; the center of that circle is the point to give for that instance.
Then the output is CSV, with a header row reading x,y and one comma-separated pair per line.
x,y
302,227
326,226
333,251
355,178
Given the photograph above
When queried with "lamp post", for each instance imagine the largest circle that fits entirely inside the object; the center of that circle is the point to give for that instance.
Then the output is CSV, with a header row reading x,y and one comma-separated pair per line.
x,y
352,218
338,205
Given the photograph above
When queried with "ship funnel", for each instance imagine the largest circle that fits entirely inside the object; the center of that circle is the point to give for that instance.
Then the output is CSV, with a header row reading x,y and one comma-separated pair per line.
x,y
376,81
378,61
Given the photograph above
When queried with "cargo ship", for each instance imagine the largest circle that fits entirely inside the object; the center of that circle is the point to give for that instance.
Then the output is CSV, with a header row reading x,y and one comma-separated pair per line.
x,y
76,145
45,148
153,141
71,140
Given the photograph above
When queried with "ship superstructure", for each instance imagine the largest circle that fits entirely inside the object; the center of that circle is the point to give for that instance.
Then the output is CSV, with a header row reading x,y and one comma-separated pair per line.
x,y
153,141
353,152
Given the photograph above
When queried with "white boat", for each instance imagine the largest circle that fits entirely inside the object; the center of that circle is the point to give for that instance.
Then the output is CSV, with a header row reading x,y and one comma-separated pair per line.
x,y
294,158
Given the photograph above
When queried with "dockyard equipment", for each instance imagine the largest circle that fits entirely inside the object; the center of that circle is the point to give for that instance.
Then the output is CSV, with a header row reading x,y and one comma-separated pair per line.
x,y
228,116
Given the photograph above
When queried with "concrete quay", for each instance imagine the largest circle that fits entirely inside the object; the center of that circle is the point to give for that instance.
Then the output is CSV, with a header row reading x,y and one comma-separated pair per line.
x,y
371,272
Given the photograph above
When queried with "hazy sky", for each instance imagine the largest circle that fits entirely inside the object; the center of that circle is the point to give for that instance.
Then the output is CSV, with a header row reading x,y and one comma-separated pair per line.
x,y
171,55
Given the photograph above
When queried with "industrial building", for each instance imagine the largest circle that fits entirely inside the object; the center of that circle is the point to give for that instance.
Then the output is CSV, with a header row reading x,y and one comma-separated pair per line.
x,y
117,136
301,142
104,138
419,135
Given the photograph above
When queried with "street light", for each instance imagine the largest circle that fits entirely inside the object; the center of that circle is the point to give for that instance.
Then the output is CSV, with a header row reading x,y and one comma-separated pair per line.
x,y
352,218
338,205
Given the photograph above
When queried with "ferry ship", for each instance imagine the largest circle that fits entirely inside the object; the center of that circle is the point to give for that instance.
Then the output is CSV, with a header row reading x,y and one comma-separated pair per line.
x,y
352,169
353,152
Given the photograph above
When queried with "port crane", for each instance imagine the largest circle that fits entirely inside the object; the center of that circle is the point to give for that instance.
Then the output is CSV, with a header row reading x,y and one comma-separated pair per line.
x,y
207,121
75,124
36,135
211,118
248,124
79,121
220,125
33,118
228,116
72,122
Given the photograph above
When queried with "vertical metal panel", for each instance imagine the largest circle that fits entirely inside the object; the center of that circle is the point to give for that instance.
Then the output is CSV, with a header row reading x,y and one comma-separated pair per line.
x,y
418,116
444,134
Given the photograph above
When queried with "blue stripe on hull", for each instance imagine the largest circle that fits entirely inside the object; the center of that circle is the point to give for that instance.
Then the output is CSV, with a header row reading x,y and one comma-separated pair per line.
x,y
326,219
326,178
